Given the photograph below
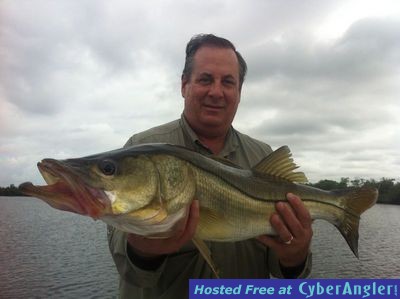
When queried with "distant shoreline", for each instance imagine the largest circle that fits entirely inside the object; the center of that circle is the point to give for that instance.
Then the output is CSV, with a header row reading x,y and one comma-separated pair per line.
x,y
389,189
23,195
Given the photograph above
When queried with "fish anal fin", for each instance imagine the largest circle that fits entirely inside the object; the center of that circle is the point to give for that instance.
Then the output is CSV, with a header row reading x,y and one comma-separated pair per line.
x,y
279,164
205,252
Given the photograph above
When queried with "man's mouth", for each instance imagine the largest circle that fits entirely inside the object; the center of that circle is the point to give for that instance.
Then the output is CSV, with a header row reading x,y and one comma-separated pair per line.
x,y
214,107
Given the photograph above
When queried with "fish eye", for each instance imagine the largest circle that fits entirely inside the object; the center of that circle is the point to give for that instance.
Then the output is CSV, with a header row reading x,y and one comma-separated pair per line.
x,y
107,167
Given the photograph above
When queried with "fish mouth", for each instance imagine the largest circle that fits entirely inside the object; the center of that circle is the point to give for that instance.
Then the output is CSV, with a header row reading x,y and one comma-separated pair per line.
x,y
66,190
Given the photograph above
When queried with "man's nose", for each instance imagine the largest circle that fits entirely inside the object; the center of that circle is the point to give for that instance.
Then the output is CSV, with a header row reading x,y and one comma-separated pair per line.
x,y
216,90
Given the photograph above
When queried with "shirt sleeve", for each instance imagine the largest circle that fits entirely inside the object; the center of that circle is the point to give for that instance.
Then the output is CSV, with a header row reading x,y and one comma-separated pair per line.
x,y
127,269
275,268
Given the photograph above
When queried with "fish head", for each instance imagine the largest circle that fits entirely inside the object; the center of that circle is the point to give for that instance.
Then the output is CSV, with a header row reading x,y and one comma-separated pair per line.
x,y
107,184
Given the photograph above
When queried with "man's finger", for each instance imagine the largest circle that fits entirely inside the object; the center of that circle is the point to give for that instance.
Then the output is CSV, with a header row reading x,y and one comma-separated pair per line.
x,y
191,225
280,227
303,215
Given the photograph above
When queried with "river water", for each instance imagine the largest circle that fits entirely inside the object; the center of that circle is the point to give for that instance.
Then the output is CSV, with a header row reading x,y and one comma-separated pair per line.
x,y
46,253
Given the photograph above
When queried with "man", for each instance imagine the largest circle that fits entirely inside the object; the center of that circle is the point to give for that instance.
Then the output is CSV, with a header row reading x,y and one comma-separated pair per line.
x,y
160,268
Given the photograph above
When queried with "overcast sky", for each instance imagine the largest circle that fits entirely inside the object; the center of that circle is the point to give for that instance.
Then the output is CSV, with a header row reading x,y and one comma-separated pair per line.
x,y
80,77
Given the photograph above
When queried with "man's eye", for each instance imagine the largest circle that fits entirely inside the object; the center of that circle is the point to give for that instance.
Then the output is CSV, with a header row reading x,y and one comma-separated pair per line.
x,y
229,82
204,80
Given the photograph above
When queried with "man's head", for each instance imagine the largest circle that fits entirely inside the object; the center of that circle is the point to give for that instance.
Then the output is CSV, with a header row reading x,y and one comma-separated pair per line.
x,y
210,40
211,84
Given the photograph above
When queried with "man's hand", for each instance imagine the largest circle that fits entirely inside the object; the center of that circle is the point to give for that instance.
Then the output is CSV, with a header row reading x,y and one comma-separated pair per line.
x,y
292,222
185,230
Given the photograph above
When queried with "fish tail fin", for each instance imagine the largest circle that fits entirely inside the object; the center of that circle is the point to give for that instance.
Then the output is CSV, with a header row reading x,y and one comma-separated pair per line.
x,y
355,202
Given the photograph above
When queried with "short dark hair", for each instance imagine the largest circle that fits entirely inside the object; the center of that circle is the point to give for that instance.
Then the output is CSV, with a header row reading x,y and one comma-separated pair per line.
x,y
204,40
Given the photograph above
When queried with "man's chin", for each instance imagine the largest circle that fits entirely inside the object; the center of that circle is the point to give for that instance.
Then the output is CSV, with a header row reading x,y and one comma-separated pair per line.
x,y
212,120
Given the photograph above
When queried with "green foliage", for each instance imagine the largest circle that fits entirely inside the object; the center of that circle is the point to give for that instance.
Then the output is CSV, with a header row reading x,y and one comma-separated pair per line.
x,y
332,185
10,191
389,190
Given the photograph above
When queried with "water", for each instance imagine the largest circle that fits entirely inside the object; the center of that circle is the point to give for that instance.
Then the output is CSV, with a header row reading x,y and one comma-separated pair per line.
x,y
46,253
379,247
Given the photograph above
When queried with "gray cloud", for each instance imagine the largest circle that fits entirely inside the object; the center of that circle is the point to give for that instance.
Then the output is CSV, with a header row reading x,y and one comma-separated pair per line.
x,y
361,54
81,77
323,88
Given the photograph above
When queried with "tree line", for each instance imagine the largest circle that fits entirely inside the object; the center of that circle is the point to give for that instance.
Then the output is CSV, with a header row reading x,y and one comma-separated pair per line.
x,y
389,189
10,191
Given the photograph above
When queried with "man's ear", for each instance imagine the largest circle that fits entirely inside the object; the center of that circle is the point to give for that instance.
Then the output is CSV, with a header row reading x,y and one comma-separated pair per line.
x,y
184,82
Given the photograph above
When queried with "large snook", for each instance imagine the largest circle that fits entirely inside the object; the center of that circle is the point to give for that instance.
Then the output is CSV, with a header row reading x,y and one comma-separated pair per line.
x,y
147,189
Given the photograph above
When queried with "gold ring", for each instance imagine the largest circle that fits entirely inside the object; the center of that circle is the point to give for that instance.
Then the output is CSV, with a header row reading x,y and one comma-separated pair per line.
x,y
290,241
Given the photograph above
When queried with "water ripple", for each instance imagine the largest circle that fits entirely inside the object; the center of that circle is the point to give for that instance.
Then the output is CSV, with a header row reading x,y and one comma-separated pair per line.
x,y
47,253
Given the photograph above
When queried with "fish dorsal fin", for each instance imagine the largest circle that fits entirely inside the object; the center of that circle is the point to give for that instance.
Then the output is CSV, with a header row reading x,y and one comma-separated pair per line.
x,y
279,164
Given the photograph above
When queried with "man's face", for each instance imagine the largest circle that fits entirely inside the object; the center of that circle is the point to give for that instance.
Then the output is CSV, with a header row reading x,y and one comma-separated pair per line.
x,y
212,92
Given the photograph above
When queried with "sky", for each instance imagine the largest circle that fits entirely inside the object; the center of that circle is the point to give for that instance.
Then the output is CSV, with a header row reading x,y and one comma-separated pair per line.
x,y
80,77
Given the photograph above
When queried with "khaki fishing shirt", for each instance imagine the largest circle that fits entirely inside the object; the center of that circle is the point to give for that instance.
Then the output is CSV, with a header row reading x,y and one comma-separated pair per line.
x,y
244,259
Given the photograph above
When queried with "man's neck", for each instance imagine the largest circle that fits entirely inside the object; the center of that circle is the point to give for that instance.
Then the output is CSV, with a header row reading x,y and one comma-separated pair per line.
x,y
212,137
215,144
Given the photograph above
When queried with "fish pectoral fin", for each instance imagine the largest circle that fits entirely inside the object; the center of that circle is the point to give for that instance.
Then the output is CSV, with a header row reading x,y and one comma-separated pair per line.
x,y
213,226
206,254
279,164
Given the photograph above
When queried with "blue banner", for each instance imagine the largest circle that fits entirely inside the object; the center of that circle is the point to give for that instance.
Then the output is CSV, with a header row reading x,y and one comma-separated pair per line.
x,y
294,288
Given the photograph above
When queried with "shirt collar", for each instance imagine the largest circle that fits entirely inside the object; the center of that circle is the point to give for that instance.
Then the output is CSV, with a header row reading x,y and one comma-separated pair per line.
x,y
231,140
